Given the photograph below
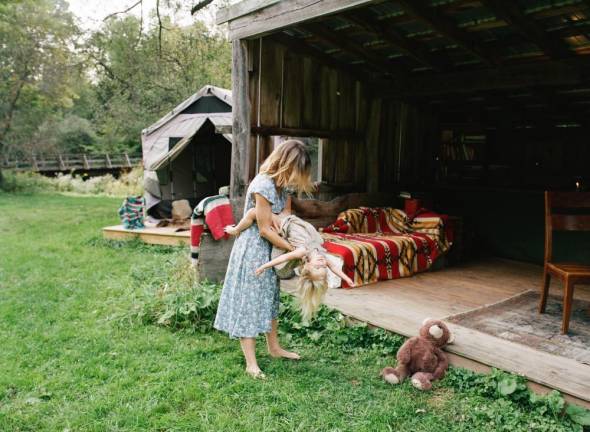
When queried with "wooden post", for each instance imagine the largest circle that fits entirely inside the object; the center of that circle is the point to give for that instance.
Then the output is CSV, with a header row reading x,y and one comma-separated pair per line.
x,y
241,119
86,164
108,159
35,165
400,140
127,160
62,165
372,144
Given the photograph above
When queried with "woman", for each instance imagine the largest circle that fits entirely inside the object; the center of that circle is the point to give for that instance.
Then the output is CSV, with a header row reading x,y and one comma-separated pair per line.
x,y
249,304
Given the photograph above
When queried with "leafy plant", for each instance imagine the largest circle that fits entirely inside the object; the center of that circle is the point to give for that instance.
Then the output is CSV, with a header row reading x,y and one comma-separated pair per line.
x,y
173,296
578,414
332,328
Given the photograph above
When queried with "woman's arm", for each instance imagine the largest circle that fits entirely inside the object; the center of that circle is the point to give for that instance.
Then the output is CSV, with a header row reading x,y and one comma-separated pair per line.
x,y
340,273
296,254
264,221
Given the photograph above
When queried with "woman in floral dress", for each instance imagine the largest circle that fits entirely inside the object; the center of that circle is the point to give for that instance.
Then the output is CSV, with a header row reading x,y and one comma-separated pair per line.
x,y
249,304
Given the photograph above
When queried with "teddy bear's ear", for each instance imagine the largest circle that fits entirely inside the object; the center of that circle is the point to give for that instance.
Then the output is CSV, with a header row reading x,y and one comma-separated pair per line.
x,y
425,321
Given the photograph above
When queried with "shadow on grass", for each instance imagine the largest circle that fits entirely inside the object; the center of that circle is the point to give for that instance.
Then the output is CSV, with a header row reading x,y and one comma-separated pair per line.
x,y
133,245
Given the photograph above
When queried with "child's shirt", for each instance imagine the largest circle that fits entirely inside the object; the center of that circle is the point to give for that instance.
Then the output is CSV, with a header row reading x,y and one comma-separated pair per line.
x,y
300,234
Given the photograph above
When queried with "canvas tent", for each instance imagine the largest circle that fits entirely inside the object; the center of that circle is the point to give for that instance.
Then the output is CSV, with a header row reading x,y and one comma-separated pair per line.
x,y
187,153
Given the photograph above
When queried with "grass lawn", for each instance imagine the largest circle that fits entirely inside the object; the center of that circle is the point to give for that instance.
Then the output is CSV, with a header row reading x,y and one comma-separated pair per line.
x,y
68,364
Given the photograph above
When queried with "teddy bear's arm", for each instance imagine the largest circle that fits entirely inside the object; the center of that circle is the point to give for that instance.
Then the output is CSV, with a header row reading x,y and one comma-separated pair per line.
x,y
443,364
404,355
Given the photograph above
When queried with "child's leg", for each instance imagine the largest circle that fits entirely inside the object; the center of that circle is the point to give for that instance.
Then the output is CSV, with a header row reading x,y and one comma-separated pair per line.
x,y
245,223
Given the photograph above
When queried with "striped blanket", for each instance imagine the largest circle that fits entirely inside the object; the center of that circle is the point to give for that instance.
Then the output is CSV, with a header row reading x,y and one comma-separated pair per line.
x,y
383,243
131,212
212,213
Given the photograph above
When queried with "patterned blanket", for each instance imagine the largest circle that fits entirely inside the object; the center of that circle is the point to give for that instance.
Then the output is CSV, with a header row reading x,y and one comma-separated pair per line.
x,y
383,243
131,212
212,213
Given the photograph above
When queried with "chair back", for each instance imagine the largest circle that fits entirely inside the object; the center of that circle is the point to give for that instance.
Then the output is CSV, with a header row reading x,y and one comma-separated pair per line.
x,y
565,211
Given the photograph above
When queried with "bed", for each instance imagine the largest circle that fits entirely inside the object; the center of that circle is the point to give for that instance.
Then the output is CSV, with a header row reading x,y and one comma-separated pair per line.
x,y
385,243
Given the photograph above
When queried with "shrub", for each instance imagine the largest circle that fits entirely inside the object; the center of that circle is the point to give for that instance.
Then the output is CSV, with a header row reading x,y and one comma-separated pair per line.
x,y
172,296
332,328
129,183
26,182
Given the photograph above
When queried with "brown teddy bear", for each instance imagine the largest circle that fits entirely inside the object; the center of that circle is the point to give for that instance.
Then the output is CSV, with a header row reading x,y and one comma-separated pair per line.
x,y
421,357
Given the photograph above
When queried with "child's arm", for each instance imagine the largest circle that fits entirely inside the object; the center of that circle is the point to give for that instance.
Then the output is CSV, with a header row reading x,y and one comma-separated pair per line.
x,y
340,273
296,254
243,224
287,208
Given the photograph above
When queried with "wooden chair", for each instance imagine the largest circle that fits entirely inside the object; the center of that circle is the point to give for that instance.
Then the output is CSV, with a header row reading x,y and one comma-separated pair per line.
x,y
564,211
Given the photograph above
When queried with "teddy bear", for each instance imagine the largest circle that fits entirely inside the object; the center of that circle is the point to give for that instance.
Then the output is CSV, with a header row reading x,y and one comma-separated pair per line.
x,y
421,357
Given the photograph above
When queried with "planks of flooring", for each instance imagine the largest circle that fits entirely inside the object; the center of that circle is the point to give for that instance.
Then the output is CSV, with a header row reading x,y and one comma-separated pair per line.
x,y
401,305
160,236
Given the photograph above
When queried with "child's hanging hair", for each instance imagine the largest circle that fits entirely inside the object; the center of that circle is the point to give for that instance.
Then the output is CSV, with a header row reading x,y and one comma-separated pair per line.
x,y
311,288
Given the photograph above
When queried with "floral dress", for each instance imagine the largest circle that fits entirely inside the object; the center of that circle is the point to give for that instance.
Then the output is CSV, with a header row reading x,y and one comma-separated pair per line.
x,y
248,302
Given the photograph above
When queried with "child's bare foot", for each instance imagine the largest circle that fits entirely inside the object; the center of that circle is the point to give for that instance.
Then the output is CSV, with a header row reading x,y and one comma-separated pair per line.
x,y
255,372
282,353
231,230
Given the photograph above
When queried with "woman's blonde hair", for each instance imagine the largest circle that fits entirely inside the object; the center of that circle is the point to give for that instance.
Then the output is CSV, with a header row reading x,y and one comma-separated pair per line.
x,y
289,165
311,291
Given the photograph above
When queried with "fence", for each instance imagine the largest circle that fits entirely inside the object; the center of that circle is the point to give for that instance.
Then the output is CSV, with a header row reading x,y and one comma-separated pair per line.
x,y
72,162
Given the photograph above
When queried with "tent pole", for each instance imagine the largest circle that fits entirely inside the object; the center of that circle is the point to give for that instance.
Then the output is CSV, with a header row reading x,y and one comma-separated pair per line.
x,y
171,175
194,169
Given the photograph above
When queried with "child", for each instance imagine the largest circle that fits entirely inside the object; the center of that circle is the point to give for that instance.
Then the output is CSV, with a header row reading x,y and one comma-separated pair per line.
x,y
309,255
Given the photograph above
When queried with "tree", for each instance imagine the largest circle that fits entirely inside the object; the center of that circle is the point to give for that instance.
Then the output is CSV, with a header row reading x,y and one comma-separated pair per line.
x,y
38,66
140,77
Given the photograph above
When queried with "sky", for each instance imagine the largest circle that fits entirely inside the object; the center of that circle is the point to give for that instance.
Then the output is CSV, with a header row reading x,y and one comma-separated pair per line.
x,y
92,12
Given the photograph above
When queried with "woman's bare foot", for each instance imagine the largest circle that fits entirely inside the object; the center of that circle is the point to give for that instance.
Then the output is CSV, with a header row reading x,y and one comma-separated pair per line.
x,y
231,230
255,372
282,353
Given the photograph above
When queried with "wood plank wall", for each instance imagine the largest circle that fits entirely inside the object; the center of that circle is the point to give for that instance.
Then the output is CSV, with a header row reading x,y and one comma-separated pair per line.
x,y
362,147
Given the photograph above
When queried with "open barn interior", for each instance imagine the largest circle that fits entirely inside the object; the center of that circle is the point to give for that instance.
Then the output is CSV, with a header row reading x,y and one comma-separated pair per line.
x,y
474,106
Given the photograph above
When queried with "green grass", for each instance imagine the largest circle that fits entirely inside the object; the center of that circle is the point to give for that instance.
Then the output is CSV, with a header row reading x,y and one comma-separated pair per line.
x,y
68,363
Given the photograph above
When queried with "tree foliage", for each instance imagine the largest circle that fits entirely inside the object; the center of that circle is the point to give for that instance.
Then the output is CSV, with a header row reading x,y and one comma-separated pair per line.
x,y
63,90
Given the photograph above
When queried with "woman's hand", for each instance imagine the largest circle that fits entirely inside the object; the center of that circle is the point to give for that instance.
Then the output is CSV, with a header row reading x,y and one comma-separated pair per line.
x,y
259,270
276,223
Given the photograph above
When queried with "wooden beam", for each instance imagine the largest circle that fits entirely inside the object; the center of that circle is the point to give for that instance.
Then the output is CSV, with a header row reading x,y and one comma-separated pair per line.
x,y
300,47
446,27
287,13
240,9
528,27
393,37
241,119
305,133
547,73
356,50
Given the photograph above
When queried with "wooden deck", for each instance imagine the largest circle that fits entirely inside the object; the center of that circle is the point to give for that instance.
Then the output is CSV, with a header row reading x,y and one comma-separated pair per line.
x,y
167,236
401,306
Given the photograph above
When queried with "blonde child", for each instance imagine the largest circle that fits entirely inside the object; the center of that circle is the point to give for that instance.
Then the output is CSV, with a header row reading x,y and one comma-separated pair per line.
x,y
309,255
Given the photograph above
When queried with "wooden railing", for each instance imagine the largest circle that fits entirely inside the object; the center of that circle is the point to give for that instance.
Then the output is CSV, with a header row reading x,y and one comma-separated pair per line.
x,y
72,162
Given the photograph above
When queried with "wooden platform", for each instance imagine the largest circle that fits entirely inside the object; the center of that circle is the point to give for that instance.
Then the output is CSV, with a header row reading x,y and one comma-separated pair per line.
x,y
401,305
167,236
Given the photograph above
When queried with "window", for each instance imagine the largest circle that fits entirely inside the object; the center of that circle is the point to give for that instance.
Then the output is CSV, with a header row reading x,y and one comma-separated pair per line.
x,y
314,147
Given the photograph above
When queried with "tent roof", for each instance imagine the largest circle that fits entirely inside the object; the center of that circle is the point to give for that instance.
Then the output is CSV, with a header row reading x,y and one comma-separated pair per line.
x,y
218,120
209,90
